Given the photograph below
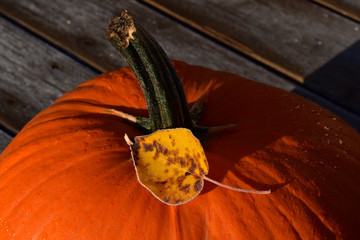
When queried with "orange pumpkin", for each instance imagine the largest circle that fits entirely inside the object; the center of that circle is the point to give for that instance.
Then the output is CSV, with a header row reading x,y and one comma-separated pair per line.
x,y
68,174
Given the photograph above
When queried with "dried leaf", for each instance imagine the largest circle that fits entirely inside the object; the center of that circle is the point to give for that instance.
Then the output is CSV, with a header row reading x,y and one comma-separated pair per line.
x,y
171,164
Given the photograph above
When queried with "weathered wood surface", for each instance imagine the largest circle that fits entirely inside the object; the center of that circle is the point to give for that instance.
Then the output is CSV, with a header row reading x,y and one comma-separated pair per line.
x,y
349,8
32,75
80,26
298,38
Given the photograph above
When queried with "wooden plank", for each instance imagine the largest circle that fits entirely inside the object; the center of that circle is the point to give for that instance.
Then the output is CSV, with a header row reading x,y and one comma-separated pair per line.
x,y
349,8
297,38
70,26
32,75
282,34
5,139
176,39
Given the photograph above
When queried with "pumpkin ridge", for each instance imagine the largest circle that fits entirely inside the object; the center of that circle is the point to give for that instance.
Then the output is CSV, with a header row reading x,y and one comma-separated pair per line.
x,y
41,184
287,220
34,155
304,198
290,167
263,169
317,218
58,132
81,109
46,220
177,223
31,191
80,116
143,198
121,101
38,232
261,219
114,167
68,166
238,179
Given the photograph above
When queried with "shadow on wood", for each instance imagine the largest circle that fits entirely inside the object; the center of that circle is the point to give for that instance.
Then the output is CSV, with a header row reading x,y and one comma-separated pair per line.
x,y
340,77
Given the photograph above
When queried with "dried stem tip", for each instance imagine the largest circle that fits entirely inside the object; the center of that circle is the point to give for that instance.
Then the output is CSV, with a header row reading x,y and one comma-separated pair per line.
x,y
121,28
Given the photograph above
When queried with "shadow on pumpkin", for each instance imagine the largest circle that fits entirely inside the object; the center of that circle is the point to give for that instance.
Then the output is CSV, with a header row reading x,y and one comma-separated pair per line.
x,y
259,126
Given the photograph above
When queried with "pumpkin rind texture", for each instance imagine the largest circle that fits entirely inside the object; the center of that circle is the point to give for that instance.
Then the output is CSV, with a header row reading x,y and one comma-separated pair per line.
x,y
68,174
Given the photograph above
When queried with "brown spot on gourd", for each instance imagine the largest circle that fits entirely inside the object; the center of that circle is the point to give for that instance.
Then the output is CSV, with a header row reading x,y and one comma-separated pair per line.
x,y
187,173
159,148
156,156
148,147
193,165
198,185
175,152
166,151
173,142
189,159
169,161
191,170
185,188
182,161
180,180
166,171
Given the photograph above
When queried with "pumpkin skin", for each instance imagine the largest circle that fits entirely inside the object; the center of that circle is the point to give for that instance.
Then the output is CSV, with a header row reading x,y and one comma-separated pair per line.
x,y
68,174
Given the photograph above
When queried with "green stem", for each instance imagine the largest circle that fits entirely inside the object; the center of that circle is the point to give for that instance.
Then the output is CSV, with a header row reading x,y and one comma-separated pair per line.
x,y
162,88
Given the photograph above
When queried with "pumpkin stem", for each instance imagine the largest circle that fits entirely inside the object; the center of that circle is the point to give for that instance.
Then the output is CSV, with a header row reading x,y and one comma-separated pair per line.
x,y
237,189
164,94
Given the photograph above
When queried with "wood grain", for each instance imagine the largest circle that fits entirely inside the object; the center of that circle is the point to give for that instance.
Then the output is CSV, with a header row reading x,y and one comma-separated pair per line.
x,y
79,27
283,34
297,38
349,8
32,75
42,72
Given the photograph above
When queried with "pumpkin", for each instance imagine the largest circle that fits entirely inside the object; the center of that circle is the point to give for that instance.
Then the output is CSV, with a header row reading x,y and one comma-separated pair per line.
x,y
68,174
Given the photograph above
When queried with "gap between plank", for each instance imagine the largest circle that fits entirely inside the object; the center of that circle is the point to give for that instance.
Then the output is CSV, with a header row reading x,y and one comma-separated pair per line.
x,y
335,9
7,131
